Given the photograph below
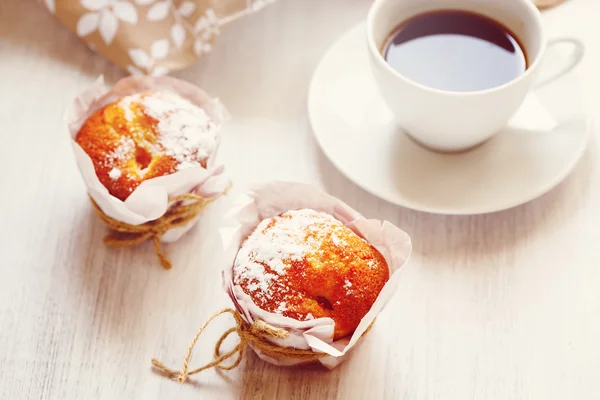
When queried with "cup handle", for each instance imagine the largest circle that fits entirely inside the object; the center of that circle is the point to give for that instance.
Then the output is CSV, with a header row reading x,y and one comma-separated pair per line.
x,y
576,59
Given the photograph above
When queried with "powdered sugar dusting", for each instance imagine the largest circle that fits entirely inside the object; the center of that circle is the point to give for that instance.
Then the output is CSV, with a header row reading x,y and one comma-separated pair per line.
x,y
347,286
287,239
118,157
123,152
281,308
336,240
125,104
305,264
115,173
185,131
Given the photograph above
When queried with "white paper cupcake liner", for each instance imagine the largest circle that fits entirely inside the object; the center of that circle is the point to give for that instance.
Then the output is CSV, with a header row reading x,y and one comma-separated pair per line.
x,y
150,200
274,198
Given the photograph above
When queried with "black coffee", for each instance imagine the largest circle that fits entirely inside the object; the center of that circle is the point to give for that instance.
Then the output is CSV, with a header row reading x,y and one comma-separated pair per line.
x,y
455,50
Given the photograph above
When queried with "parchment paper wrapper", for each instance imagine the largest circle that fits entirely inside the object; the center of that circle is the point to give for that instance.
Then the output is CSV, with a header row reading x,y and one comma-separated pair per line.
x,y
274,198
150,200
150,36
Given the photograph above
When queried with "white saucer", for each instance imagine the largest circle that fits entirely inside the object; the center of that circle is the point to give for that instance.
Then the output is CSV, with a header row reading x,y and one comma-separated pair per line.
x,y
357,133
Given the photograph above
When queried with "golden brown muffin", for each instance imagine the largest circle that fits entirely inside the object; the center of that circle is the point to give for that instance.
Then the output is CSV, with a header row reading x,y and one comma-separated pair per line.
x,y
145,136
305,264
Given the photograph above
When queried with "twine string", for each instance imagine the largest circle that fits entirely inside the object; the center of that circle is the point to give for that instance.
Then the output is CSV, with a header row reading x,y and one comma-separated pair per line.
x,y
184,208
257,334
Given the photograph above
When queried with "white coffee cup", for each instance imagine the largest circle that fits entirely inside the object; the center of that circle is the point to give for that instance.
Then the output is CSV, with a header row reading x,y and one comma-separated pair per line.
x,y
453,121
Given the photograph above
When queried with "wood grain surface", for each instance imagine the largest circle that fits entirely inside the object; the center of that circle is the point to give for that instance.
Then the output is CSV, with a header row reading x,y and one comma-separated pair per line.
x,y
500,306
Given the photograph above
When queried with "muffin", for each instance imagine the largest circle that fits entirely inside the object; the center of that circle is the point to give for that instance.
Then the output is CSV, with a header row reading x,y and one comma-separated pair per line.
x,y
305,264
146,135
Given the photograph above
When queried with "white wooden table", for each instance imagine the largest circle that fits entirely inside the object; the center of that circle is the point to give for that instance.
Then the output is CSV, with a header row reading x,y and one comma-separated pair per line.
x,y
502,306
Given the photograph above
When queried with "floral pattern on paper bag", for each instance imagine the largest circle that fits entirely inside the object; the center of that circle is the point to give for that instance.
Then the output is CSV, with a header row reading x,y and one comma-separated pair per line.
x,y
150,37
104,16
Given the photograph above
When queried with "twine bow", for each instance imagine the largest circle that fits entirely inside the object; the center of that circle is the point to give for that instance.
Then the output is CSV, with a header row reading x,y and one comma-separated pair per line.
x,y
257,333
184,209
